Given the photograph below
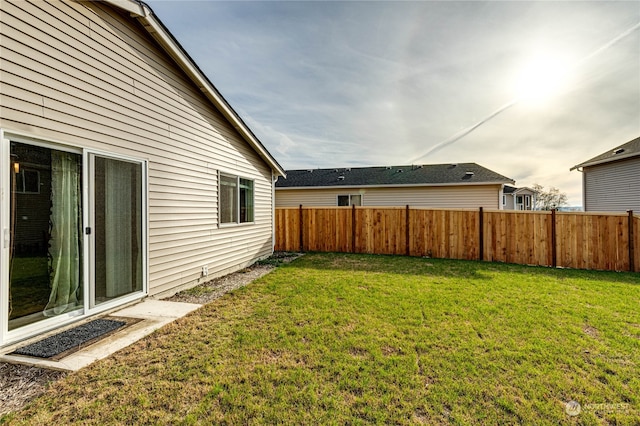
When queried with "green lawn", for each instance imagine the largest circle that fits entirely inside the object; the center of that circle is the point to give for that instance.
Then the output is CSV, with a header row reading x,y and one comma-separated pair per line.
x,y
30,287
357,339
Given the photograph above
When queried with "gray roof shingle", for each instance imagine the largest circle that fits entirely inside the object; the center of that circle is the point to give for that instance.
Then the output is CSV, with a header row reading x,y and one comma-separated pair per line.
x,y
629,149
433,174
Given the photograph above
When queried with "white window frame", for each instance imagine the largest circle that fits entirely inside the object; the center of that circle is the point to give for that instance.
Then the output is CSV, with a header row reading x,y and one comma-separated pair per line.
x,y
237,221
22,171
350,200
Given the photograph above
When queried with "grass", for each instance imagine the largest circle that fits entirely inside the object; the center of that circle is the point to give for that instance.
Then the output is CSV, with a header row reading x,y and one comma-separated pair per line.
x,y
357,339
30,288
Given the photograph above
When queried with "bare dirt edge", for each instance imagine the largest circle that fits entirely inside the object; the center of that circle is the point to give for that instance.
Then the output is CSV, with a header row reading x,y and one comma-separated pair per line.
x,y
19,384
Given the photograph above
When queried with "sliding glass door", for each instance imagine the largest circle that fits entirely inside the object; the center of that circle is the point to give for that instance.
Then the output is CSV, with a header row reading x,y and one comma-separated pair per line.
x,y
45,253
117,228
74,234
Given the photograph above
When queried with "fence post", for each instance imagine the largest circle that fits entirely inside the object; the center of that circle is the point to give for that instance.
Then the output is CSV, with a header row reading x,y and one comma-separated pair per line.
x,y
301,232
554,253
353,228
481,234
632,257
407,233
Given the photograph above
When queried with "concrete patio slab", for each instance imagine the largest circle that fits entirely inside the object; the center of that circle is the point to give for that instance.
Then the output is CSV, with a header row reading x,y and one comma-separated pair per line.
x,y
152,314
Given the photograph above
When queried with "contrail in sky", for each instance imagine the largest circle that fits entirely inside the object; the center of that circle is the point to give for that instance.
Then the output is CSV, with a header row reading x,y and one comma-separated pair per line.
x,y
607,45
466,131
506,106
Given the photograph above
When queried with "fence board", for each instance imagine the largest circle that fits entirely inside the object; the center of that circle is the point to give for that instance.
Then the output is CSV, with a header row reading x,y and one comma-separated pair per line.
x,y
327,229
287,230
593,241
434,233
636,242
381,230
582,240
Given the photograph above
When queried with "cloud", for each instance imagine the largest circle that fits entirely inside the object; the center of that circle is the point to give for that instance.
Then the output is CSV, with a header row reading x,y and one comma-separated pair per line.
x,y
326,84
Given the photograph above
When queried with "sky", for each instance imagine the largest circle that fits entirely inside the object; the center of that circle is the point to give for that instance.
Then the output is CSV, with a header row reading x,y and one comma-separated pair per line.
x,y
527,89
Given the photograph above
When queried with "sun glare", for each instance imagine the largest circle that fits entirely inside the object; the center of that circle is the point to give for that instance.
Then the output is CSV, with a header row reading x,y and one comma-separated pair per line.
x,y
541,78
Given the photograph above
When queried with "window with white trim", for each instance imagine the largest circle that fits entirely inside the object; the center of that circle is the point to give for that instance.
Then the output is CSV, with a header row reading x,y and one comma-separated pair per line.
x,y
236,200
350,200
27,181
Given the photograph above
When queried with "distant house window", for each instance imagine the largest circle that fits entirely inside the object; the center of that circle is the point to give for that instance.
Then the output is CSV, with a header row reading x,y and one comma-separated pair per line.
x,y
28,182
519,199
504,200
236,199
527,200
350,200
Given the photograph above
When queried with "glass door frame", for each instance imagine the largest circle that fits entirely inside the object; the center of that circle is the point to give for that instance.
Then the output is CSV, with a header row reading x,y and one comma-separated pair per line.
x,y
8,337
89,296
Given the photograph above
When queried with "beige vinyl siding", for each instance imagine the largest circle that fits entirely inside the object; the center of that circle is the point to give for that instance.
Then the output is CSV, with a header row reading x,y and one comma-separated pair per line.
x,y
86,75
310,197
471,196
613,186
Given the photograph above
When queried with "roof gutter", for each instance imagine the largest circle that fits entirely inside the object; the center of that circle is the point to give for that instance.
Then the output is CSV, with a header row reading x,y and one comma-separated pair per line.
x,y
161,34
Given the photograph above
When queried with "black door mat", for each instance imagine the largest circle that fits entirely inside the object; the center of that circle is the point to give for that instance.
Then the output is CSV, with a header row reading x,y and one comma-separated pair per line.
x,y
71,340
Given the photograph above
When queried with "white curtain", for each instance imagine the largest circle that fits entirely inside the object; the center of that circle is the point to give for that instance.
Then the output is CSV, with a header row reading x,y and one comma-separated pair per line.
x,y
65,240
119,228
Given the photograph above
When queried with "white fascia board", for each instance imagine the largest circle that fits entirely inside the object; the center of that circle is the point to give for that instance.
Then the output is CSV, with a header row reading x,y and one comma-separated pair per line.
x,y
605,160
524,188
415,185
135,8
158,31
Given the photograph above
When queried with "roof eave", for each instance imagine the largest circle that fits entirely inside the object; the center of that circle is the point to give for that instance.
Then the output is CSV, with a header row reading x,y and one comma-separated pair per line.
x,y
413,185
161,34
524,188
605,160
135,8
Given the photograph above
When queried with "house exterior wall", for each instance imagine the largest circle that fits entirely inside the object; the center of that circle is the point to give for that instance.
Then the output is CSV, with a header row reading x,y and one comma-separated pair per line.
x,y
471,196
527,200
613,186
509,202
81,73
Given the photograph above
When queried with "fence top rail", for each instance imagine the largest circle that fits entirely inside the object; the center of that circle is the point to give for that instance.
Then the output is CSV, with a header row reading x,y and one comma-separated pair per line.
x,y
475,209
620,214
403,207
543,212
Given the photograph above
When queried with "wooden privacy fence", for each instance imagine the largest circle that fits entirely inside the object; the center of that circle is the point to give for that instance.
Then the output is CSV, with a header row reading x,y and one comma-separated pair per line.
x,y
603,241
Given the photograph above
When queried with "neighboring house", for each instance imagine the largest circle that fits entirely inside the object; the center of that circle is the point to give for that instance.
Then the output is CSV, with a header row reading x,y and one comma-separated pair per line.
x,y
610,181
124,173
518,198
464,185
